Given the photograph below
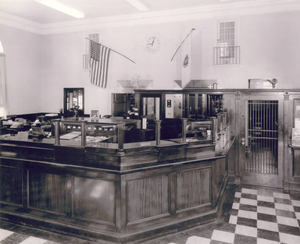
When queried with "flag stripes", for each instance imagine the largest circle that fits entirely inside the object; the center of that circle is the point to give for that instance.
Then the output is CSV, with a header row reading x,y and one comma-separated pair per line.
x,y
99,63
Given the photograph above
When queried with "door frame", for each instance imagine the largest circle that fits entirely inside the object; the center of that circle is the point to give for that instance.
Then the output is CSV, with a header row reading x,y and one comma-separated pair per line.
x,y
260,178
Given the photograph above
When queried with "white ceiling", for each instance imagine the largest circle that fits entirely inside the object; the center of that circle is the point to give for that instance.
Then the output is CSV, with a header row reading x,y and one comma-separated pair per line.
x,y
29,15
40,14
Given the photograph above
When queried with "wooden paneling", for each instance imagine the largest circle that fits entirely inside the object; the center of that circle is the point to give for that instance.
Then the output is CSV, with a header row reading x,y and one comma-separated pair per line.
x,y
207,150
30,152
69,155
219,170
171,152
231,159
11,185
296,162
147,197
137,198
219,174
50,192
94,199
193,188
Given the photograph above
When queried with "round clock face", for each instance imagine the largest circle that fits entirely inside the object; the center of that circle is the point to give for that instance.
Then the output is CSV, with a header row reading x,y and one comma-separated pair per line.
x,y
152,44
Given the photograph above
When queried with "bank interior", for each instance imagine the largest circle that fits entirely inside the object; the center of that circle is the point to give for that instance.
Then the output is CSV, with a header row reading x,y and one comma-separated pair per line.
x,y
153,150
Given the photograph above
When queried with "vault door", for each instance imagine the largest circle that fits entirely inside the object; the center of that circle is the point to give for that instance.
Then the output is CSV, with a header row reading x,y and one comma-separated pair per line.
x,y
262,161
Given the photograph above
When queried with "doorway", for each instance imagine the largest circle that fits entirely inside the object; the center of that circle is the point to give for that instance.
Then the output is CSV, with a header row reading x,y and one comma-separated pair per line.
x,y
262,144
3,87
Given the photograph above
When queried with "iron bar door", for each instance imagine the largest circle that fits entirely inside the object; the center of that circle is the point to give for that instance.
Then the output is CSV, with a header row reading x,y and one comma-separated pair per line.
x,y
261,154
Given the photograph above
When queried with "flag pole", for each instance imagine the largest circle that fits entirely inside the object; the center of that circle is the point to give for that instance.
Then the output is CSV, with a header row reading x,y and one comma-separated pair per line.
x,y
112,50
182,43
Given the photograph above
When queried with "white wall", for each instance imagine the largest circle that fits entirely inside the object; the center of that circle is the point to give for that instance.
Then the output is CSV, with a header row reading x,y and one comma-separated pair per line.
x,y
23,67
269,49
46,64
63,63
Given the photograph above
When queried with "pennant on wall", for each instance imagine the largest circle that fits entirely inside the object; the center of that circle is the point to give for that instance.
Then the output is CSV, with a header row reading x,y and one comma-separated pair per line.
x,y
99,63
185,58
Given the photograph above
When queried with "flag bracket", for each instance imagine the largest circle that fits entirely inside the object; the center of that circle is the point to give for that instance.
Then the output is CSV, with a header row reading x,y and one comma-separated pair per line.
x,y
182,43
112,50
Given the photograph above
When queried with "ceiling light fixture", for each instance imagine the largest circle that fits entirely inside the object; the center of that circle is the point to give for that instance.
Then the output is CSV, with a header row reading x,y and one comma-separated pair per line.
x,y
139,5
62,8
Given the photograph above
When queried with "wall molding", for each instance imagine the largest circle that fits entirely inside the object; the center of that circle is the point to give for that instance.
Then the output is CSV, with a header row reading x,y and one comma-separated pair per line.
x,y
205,12
20,23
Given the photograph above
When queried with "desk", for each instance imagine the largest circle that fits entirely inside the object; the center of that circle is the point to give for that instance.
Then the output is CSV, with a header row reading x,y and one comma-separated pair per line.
x,y
121,196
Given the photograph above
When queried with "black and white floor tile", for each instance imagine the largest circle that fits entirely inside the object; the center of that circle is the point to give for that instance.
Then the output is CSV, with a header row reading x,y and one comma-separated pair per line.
x,y
250,215
7,236
259,216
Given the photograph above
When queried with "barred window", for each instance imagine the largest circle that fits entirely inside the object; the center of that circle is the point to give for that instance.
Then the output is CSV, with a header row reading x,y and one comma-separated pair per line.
x,y
227,51
94,37
227,39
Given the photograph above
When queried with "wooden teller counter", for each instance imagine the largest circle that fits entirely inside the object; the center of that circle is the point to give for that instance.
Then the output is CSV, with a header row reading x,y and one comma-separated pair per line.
x,y
110,179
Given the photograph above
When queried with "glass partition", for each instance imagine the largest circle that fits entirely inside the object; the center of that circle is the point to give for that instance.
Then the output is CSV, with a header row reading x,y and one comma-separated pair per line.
x,y
151,107
199,130
115,133
120,133
196,106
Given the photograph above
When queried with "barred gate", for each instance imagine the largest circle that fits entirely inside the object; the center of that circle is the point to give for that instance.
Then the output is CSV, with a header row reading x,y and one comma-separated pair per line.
x,y
262,137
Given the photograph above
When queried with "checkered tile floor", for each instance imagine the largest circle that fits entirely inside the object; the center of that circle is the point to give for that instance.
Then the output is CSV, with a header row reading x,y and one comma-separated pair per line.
x,y
257,215
9,237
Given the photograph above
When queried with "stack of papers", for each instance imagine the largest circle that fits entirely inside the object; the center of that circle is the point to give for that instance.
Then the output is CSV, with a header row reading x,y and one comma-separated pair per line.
x,y
70,135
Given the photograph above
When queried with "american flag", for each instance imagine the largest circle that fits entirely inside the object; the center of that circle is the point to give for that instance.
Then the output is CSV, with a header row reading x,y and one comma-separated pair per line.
x,y
99,63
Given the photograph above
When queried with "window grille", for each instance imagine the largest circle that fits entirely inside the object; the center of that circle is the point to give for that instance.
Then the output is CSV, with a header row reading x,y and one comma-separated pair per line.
x,y
227,52
227,39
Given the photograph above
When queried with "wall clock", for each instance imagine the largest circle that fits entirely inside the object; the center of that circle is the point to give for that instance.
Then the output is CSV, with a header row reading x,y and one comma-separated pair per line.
x,y
152,43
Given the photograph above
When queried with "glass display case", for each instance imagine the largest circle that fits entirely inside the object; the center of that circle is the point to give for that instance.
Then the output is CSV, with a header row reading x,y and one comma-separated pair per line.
x,y
199,130
118,132
114,131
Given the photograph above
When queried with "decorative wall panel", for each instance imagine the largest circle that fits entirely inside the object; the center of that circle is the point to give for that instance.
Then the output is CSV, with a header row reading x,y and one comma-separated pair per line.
x,y
193,188
147,197
51,192
94,199
11,185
